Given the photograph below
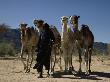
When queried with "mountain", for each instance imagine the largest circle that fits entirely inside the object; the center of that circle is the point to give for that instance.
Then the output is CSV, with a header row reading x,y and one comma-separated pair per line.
x,y
12,36
101,48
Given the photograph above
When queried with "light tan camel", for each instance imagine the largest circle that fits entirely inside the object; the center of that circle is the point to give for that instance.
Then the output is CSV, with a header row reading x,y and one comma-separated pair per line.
x,y
67,43
29,40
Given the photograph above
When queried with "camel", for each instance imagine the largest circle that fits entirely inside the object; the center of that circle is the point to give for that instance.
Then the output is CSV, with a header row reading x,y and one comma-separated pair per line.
x,y
67,44
84,40
87,41
29,40
56,48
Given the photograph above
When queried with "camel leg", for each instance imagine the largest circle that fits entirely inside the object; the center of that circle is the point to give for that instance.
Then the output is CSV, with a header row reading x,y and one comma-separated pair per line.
x,y
21,57
60,61
54,60
90,52
51,60
80,61
31,58
65,60
51,63
86,61
54,64
28,61
48,74
68,55
70,61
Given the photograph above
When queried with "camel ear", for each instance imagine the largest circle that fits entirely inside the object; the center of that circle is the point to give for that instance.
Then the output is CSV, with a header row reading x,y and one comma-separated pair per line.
x,y
26,24
69,16
82,25
78,16
19,25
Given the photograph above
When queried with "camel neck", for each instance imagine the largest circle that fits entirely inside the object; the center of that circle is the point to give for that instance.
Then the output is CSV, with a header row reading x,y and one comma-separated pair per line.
x,y
75,26
64,31
64,27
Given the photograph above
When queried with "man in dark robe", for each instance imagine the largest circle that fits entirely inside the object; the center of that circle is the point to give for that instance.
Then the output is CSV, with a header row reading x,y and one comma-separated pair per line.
x,y
44,49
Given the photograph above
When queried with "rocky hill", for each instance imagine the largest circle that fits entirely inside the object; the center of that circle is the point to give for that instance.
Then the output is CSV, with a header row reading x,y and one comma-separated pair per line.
x,y
101,48
12,36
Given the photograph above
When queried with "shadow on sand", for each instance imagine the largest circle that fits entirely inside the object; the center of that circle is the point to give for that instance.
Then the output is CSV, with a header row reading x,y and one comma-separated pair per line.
x,y
101,74
92,76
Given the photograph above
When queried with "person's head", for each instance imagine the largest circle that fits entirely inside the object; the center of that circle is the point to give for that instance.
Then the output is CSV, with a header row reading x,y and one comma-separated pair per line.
x,y
39,24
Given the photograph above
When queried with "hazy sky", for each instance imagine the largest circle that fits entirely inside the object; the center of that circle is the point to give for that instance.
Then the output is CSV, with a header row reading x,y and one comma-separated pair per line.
x,y
95,13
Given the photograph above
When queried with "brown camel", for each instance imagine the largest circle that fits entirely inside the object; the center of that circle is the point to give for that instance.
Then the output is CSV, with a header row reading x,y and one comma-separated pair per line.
x,y
87,41
84,42
56,50
29,40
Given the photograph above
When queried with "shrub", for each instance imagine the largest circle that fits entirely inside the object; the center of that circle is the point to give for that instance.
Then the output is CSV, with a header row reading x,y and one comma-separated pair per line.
x,y
7,49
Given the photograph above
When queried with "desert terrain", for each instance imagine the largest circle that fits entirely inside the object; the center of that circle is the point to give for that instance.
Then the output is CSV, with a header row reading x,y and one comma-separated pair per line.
x,y
11,70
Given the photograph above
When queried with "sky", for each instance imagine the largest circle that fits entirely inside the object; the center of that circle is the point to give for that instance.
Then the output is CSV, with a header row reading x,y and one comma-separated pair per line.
x,y
94,13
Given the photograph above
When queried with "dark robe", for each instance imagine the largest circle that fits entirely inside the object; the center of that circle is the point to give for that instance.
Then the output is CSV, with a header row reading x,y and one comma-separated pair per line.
x,y
44,50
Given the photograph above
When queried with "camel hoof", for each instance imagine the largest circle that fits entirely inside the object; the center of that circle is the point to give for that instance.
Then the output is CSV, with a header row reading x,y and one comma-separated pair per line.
x,y
79,71
48,76
52,70
87,73
27,71
71,68
25,68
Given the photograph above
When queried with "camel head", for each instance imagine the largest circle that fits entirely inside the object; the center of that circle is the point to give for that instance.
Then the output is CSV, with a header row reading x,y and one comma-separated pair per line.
x,y
74,21
84,27
23,26
64,20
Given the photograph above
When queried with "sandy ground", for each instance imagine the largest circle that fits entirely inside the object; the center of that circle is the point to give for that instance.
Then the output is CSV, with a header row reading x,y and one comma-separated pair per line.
x,y
11,70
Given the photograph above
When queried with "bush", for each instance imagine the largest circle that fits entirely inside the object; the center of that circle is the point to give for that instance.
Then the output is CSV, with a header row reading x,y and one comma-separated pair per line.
x,y
6,49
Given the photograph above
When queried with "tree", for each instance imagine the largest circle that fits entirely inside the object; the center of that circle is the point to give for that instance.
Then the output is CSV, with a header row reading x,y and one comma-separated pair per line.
x,y
4,27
